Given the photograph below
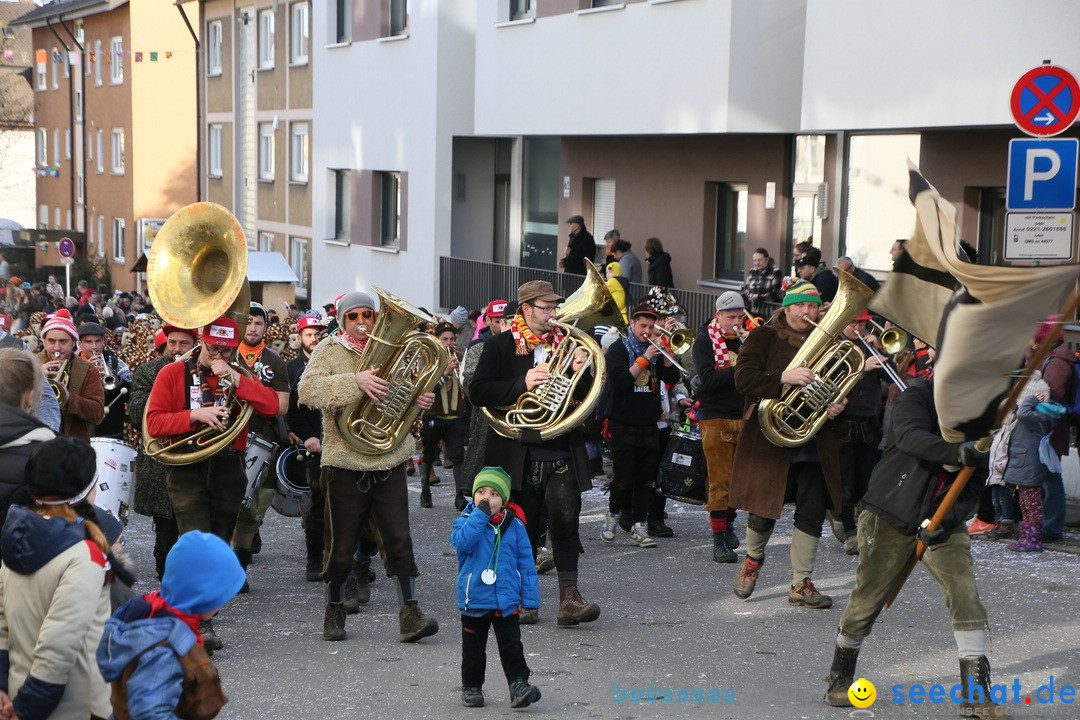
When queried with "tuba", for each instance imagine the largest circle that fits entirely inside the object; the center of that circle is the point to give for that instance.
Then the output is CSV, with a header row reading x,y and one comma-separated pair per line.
x,y
196,273
412,362
793,418
547,409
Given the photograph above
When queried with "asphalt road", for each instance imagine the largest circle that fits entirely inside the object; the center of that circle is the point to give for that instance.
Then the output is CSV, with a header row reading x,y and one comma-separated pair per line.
x,y
668,617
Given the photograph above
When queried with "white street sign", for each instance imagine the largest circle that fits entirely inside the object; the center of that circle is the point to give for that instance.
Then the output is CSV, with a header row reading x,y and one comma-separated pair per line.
x,y
1038,236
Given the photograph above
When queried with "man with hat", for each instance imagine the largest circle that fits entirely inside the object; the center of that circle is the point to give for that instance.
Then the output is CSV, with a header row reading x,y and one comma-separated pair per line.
x,y
765,475
267,367
82,399
151,495
92,349
360,486
445,421
636,369
548,474
6,338
581,246
206,495
810,268
720,412
306,424
463,327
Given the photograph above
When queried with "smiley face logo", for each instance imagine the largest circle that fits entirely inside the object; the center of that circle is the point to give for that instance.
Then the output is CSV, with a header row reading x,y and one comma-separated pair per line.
x,y
862,693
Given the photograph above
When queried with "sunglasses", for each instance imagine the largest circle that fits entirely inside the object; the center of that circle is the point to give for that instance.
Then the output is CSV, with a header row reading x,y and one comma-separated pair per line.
x,y
353,315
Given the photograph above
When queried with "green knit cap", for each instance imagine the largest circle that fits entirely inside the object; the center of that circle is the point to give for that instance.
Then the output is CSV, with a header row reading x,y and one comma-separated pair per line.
x,y
493,477
802,291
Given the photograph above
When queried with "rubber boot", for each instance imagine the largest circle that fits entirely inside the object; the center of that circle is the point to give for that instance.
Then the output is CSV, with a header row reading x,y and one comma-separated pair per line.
x,y
413,625
425,486
1030,539
841,675
975,679
573,609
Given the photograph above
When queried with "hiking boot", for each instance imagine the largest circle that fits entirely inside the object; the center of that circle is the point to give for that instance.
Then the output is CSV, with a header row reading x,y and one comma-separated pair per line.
x,y
472,697
731,537
210,639
333,624
806,595
657,528
528,616
975,680
1004,530
413,624
1030,539
364,576
978,527
425,486
607,530
640,537
352,596
721,551
573,609
851,545
841,675
313,572
545,563
522,694
746,578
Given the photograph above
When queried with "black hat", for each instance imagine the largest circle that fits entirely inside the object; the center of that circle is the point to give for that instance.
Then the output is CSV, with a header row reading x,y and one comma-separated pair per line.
x,y
644,310
444,327
576,219
90,328
60,470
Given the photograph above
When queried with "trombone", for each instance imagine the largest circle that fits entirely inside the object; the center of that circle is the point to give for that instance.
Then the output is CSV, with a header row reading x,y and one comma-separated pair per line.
x,y
896,342
675,342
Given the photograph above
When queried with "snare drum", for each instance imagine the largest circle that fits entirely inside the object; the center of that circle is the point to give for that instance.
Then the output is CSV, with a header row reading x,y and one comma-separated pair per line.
x,y
115,476
292,480
256,465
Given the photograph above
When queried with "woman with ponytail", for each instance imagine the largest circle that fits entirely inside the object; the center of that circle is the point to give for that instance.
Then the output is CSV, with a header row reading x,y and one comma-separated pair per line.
x,y
54,590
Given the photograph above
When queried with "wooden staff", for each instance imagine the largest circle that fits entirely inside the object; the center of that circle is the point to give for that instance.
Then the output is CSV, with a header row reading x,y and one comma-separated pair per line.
x,y
965,474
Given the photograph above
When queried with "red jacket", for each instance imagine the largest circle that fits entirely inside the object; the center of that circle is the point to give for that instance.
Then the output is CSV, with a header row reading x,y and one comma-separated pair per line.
x,y
168,413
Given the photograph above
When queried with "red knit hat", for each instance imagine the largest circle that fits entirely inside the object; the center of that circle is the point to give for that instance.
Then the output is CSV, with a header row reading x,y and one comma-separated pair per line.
x,y
60,320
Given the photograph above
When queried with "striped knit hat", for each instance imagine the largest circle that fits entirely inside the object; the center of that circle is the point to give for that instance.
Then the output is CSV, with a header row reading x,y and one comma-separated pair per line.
x,y
493,477
802,291
61,320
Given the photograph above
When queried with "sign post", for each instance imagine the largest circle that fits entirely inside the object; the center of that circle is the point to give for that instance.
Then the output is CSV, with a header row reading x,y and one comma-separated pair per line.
x,y
67,249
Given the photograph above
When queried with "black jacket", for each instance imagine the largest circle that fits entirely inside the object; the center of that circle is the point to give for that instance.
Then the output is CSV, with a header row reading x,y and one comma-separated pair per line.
x,y
305,422
498,382
24,433
630,404
581,247
660,270
903,488
717,396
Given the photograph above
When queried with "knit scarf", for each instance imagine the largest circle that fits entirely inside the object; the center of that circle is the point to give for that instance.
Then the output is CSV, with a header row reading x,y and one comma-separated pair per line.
x,y
250,353
719,346
158,603
205,396
352,343
525,340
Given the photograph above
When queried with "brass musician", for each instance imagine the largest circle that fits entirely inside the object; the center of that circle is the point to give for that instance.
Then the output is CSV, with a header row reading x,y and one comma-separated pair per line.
x,y
77,383
115,378
447,420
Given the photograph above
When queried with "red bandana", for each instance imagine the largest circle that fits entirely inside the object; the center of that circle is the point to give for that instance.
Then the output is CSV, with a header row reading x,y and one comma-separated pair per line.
x,y
526,340
719,347
158,603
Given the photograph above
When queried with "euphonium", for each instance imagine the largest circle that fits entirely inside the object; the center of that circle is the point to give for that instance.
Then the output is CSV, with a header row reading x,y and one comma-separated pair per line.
x,y
793,418
548,409
411,362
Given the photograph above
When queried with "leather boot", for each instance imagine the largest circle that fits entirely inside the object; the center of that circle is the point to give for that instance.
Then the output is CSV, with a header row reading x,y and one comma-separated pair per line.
x,y
210,639
363,581
352,596
425,486
333,627
975,679
841,675
721,550
413,625
573,609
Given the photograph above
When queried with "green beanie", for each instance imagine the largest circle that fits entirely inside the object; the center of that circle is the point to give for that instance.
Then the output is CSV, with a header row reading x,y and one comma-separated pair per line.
x,y
493,477
802,291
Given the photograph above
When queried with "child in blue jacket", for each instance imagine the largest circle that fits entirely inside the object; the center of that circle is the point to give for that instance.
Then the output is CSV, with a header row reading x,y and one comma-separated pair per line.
x,y
496,577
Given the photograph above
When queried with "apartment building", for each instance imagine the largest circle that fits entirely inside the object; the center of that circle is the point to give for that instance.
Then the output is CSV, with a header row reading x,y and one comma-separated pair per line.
x,y
17,184
114,118
257,124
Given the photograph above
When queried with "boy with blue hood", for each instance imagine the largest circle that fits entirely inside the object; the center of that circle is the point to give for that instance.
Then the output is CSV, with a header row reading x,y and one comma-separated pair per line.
x,y
152,652
496,577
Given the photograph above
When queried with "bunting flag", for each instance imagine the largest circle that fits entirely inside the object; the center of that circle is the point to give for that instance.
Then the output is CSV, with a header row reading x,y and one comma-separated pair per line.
x,y
980,318
138,57
153,56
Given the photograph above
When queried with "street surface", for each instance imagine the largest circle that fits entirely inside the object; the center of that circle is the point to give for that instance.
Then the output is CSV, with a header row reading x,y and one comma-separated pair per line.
x,y
668,617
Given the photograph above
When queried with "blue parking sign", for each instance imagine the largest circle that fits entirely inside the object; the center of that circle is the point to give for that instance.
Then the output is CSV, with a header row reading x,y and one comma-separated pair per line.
x,y
1042,174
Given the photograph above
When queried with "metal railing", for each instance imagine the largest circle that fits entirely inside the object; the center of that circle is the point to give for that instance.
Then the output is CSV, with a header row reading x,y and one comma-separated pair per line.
x,y
474,283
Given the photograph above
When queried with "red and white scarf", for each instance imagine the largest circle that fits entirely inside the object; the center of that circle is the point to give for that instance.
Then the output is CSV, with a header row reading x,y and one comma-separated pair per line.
x,y
525,340
719,346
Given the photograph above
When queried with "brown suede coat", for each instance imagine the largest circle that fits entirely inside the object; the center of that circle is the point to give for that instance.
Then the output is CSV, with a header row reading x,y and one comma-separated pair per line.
x,y
85,407
760,471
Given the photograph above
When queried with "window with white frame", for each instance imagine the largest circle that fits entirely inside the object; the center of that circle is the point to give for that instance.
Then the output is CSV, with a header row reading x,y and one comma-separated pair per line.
x,y
266,39
213,48
298,260
43,217
79,196
56,218
118,151
56,147
342,204
399,17
67,218
118,239
67,143
97,62
266,242
101,236
214,151
100,150
90,148
299,33
66,62
299,159
54,62
116,56
43,147
390,204
90,235
266,151
42,81
78,105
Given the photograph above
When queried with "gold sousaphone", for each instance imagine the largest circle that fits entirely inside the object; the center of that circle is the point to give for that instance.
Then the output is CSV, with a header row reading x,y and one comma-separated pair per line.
x,y
549,409
196,272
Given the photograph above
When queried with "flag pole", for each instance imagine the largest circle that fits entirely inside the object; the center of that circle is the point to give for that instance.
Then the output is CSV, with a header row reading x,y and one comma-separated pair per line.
x,y
962,478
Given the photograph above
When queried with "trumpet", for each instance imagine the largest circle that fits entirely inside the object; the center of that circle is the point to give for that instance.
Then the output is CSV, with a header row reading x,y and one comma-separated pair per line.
x,y
58,382
109,382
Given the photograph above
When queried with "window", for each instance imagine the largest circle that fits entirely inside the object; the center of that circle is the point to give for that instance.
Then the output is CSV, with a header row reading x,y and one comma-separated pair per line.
x,y
390,208
603,217
342,204
214,151
101,236
100,150
54,62
299,158
43,147
298,260
90,149
78,105
118,239
730,234
56,218
266,242
67,143
116,55
299,33
399,17
266,39
809,191
42,82
90,235
56,147
118,151
266,151
340,21
66,61
992,217
97,62
213,48
520,9
43,217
